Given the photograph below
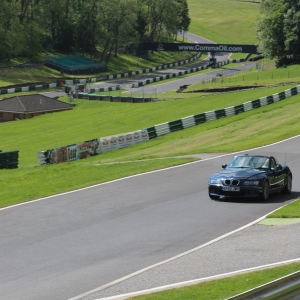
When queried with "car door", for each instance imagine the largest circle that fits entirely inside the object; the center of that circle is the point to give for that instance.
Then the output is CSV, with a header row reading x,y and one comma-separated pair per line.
x,y
278,175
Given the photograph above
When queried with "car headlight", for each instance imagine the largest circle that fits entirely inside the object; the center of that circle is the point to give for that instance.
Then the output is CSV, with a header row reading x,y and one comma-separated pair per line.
x,y
215,181
251,182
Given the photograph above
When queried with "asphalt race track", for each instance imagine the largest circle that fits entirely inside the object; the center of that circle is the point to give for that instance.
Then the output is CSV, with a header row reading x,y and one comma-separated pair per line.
x,y
69,244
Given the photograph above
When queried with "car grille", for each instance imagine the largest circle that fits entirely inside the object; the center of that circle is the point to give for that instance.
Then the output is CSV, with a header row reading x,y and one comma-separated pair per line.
x,y
231,182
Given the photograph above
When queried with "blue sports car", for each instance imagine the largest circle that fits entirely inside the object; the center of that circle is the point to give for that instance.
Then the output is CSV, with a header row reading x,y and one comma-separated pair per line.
x,y
250,176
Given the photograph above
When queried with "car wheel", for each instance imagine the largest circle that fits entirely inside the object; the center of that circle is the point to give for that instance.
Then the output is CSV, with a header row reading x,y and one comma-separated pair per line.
x,y
266,191
288,185
214,197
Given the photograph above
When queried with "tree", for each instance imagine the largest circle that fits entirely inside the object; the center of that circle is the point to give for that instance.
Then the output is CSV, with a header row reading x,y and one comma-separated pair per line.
x,y
184,18
141,23
292,30
28,26
117,26
11,31
161,17
32,39
278,30
58,22
86,22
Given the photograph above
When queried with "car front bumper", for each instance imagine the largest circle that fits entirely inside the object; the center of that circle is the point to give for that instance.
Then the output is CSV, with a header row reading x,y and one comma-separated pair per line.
x,y
245,191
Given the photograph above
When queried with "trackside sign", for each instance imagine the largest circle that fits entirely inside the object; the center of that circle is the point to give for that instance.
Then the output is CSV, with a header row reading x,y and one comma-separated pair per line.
x,y
198,47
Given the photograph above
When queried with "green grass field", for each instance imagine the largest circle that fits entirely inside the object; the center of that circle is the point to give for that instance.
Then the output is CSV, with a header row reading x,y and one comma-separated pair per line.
x,y
224,21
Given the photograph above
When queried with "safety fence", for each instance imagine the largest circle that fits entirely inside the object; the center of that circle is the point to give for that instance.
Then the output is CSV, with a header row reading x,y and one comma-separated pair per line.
x,y
9,160
62,82
287,287
101,145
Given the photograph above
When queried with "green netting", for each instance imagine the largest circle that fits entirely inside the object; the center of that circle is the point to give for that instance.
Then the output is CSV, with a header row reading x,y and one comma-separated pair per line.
x,y
75,65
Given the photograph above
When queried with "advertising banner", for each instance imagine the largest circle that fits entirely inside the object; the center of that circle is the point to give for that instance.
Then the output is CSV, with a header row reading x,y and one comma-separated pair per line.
x,y
92,147
56,155
122,141
88,148
199,47
72,152
109,143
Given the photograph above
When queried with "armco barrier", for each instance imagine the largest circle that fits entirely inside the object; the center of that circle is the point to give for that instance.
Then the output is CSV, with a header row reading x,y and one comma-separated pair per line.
x,y
97,146
287,287
200,118
165,128
188,122
162,129
176,125
9,160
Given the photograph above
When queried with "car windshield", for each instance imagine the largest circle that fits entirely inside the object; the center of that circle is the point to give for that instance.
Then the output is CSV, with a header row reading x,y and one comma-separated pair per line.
x,y
249,162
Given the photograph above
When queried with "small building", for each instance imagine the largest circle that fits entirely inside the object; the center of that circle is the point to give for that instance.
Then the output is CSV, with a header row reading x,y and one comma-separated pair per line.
x,y
29,106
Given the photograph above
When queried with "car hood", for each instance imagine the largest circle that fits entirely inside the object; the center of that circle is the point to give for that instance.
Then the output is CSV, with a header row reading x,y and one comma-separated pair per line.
x,y
240,173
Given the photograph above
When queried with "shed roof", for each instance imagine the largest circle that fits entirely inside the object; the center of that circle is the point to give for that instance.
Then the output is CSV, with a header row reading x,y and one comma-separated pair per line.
x,y
31,104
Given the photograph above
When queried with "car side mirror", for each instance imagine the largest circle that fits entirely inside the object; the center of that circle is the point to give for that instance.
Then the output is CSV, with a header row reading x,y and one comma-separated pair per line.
x,y
279,167
224,166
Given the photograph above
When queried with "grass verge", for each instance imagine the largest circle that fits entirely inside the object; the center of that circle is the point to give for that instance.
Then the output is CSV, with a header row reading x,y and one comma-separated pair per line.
x,y
223,288
291,210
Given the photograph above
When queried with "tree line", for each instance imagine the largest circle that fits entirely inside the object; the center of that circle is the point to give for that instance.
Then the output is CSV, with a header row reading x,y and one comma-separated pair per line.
x,y
29,26
278,30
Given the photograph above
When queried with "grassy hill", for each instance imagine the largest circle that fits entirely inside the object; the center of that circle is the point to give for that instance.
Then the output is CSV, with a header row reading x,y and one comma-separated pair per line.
x,y
224,21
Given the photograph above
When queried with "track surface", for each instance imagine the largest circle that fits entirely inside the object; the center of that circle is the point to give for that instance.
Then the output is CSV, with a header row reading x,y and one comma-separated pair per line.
x,y
66,245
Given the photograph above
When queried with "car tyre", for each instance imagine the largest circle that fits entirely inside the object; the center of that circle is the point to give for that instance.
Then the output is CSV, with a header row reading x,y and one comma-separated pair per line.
x,y
288,185
265,191
214,197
